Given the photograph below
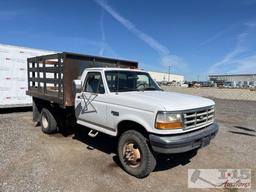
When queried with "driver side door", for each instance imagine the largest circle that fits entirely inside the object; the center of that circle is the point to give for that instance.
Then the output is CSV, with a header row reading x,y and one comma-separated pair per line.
x,y
89,106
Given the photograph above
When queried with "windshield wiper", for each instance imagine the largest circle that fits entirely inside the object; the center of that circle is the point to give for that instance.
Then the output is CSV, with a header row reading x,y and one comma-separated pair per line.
x,y
148,89
127,90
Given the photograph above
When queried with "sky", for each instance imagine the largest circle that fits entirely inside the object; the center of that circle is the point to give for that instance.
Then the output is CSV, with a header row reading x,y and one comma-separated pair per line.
x,y
195,38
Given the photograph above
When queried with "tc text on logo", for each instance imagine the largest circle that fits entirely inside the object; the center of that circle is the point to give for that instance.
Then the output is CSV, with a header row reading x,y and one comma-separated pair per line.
x,y
219,178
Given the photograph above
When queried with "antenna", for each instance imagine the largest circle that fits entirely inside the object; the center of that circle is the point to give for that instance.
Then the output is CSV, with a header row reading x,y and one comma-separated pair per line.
x,y
169,72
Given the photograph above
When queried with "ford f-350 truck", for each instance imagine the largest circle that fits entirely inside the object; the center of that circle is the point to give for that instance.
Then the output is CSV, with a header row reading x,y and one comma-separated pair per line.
x,y
114,97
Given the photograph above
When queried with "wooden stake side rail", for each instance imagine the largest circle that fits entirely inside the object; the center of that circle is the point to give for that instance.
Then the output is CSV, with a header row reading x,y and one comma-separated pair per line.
x,y
50,76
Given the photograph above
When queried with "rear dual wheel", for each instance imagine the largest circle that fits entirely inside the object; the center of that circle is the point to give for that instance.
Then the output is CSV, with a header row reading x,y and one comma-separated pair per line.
x,y
135,155
48,122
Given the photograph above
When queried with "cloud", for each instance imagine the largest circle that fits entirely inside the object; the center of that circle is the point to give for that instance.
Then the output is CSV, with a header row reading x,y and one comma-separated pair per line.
x,y
250,24
239,59
103,36
166,57
177,63
245,65
105,45
131,27
218,35
214,37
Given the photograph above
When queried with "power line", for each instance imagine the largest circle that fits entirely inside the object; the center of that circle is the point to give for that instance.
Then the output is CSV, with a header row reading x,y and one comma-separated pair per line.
x,y
169,72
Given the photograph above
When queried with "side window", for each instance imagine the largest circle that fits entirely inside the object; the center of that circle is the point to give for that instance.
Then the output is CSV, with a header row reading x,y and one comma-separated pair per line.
x,y
143,80
111,77
93,83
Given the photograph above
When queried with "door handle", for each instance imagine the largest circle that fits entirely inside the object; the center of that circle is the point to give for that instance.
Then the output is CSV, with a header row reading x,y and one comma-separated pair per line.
x,y
115,113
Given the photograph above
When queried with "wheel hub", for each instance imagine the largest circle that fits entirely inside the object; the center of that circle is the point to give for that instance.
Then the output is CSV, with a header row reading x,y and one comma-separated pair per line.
x,y
44,121
132,154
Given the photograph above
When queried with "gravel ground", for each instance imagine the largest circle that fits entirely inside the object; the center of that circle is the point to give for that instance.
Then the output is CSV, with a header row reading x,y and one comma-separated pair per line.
x,y
33,161
234,94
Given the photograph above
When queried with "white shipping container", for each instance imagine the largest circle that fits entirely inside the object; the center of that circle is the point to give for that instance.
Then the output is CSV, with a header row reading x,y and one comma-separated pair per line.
x,y
13,75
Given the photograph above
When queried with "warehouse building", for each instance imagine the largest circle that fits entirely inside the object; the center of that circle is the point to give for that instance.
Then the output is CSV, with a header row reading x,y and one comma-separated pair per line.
x,y
236,80
238,77
166,77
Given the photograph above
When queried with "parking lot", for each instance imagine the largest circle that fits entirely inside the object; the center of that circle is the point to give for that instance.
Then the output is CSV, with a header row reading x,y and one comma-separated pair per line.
x,y
33,161
219,93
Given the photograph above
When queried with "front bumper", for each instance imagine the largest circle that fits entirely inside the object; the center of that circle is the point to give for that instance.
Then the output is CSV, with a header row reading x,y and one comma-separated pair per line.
x,y
180,143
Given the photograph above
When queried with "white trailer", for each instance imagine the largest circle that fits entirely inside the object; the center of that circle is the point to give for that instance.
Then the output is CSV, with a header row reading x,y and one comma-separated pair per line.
x,y
13,75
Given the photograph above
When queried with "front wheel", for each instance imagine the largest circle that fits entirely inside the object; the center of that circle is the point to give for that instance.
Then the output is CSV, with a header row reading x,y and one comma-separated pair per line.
x,y
135,154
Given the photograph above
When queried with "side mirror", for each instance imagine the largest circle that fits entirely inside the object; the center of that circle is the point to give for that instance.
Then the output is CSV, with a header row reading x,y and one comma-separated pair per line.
x,y
76,87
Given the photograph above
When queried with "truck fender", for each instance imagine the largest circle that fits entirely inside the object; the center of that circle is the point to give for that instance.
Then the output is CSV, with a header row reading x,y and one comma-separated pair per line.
x,y
135,119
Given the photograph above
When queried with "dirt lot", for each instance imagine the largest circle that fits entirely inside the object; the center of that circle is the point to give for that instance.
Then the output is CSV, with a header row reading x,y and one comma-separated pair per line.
x,y
33,161
220,93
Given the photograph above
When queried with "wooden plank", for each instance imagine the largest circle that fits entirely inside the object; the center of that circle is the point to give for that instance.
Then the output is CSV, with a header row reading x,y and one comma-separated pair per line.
x,y
46,80
46,69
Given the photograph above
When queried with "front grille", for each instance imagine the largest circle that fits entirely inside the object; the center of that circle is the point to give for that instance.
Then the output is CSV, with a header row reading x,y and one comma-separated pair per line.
x,y
198,117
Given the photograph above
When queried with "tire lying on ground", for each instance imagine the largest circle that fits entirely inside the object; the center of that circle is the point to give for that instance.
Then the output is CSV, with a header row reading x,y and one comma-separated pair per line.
x,y
48,122
135,155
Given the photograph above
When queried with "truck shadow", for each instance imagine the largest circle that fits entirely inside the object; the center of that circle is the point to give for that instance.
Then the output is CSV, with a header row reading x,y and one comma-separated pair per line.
x,y
15,110
240,130
165,162
107,144
245,128
102,142
242,133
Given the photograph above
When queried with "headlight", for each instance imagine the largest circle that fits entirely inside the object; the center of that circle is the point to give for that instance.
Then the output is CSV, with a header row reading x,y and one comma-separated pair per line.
x,y
165,120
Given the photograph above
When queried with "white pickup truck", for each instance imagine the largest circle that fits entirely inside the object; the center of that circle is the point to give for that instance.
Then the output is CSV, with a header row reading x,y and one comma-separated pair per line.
x,y
128,104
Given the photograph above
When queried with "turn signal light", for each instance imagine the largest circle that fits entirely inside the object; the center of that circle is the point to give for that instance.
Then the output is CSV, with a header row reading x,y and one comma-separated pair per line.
x,y
176,125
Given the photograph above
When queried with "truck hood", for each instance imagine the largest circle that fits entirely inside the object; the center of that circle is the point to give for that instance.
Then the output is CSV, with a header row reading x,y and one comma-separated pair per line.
x,y
169,101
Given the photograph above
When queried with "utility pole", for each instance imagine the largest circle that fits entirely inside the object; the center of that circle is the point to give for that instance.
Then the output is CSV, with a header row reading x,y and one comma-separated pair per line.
x,y
169,72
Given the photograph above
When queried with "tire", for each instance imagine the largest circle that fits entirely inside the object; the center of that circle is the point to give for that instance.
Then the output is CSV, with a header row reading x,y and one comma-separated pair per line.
x,y
48,122
146,161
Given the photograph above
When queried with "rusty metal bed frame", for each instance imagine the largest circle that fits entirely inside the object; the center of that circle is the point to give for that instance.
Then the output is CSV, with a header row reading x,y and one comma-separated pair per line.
x,y
50,76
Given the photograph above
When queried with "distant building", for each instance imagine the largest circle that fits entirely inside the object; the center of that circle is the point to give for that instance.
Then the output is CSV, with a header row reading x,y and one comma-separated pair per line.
x,y
238,77
238,80
166,77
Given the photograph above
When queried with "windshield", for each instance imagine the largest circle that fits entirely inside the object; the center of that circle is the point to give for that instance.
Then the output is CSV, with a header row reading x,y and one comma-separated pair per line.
x,y
122,81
